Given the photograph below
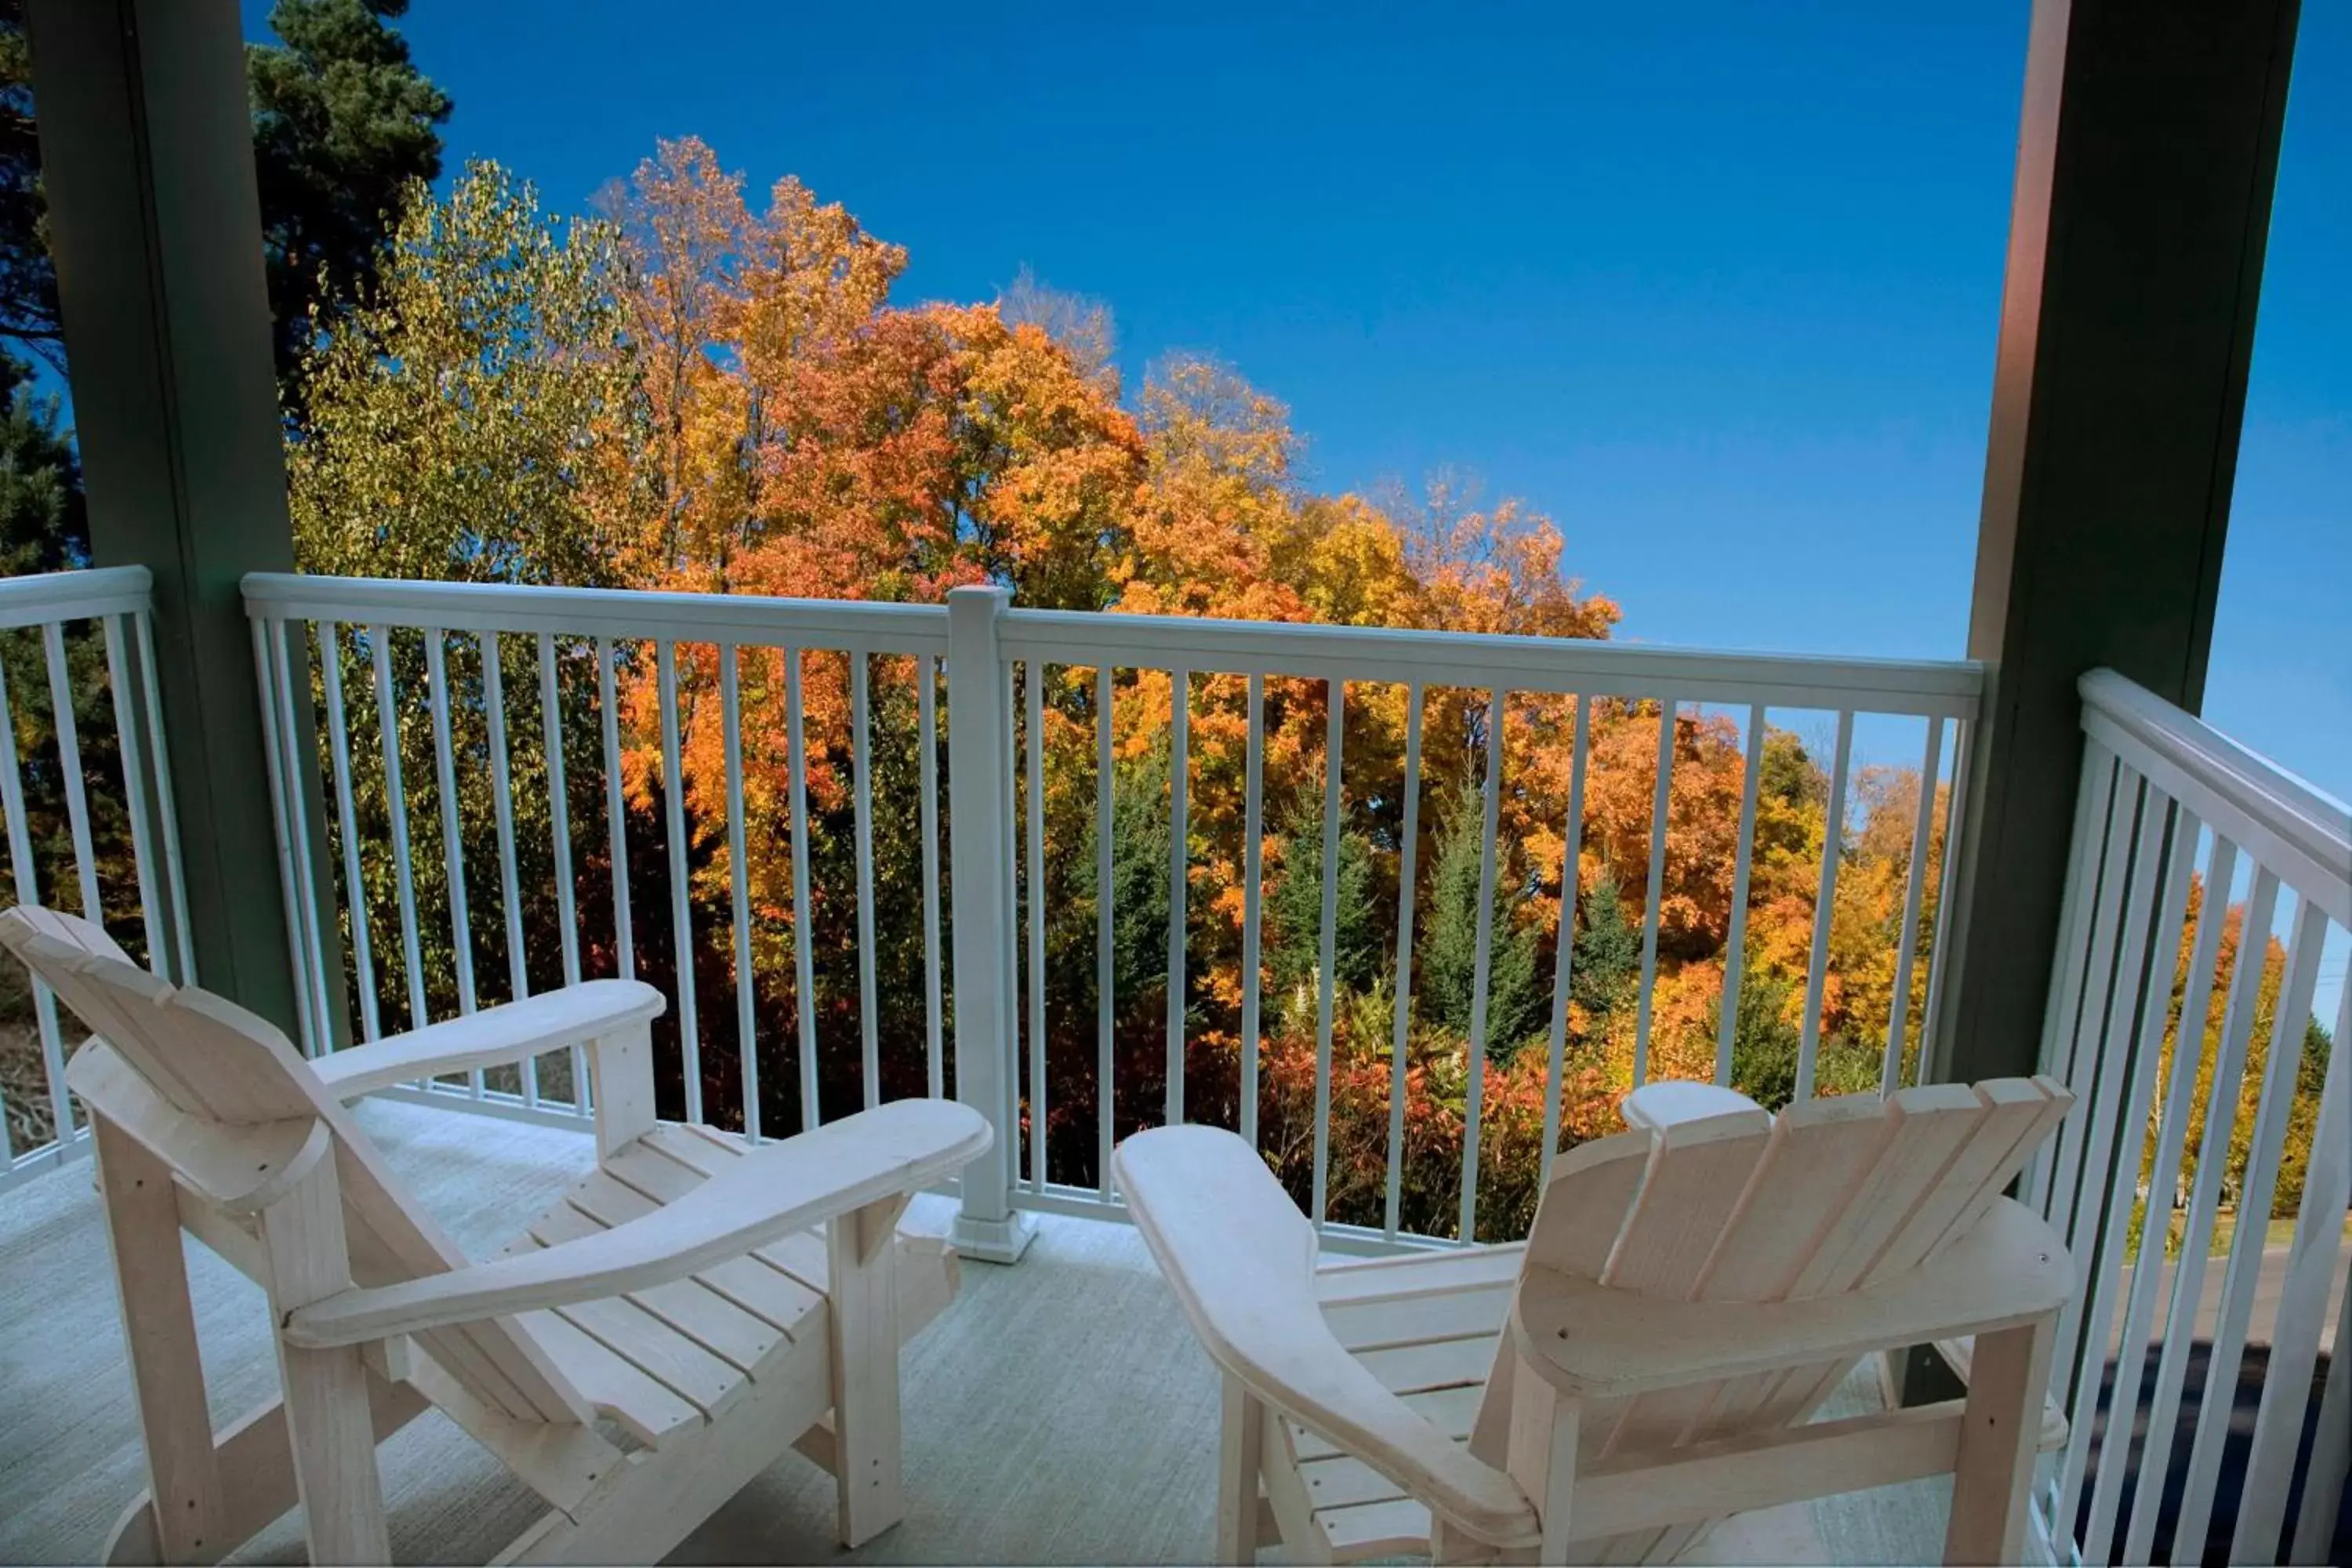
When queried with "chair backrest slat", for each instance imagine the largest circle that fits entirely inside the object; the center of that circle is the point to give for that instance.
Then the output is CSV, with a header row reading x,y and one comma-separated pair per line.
x,y
1820,1152
213,1059
1697,1172
1935,1122
2019,1113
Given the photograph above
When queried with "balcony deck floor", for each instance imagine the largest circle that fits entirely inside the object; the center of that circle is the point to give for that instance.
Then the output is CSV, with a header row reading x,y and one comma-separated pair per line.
x,y
1059,1412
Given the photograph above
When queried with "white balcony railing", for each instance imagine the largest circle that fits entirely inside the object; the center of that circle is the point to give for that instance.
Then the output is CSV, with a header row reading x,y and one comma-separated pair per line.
x,y
513,717
2184,1026
481,791
86,805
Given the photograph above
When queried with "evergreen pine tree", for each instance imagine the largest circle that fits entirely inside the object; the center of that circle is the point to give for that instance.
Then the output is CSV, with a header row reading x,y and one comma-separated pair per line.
x,y
1293,937
343,122
42,524
1450,952
1607,952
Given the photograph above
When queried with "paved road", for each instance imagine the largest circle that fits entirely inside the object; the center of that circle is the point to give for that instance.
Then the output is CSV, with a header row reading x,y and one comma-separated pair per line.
x,y
2267,1288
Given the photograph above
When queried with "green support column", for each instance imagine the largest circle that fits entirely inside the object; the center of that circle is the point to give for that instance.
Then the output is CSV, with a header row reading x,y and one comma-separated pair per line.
x,y
147,160
2146,161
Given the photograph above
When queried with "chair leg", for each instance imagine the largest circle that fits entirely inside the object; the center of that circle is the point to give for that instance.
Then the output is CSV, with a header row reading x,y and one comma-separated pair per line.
x,y
2007,1379
860,1252
1241,1438
327,1404
1542,1454
158,1329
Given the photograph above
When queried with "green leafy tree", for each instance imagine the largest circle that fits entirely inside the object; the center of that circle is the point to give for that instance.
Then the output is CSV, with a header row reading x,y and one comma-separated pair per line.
x,y
2303,1118
342,122
470,419
473,416
1449,959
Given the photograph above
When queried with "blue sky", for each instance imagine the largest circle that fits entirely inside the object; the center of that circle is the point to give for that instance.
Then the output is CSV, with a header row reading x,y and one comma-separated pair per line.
x,y
1716,286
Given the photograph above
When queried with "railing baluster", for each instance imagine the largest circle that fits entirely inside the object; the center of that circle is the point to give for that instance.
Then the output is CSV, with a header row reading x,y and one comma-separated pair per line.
x,y
1180,753
2326,1192
143,625
453,841
278,749
681,900
1010,1000
1661,803
2164,1176
494,713
747,1039
68,744
1923,829
1735,944
1034,688
2111,981
1954,806
1408,853
1564,939
927,728
616,808
1106,977
1253,890
1824,908
134,796
2218,1405
339,746
862,761
559,817
2212,1159
28,891
2086,1063
310,938
803,915
1335,733
395,799
1474,1083
2093,798
2123,1122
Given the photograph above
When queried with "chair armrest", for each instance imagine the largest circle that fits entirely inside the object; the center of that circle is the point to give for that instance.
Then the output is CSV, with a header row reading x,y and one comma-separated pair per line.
x,y
771,1192
1662,1102
1241,1261
550,1020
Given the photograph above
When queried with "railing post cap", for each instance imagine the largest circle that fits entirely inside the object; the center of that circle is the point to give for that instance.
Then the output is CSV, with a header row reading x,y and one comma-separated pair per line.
x,y
994,596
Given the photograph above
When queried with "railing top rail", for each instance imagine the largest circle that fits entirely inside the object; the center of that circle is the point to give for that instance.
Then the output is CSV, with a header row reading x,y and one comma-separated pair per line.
x,y
2292,825
46,596
1949,689
858,626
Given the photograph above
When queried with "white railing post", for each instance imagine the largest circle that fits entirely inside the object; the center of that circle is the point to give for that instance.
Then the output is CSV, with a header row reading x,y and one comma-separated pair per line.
x,y
980,817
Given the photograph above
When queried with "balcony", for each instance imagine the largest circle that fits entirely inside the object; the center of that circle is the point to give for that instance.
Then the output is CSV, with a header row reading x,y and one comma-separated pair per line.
x,y
1006,1463
468,785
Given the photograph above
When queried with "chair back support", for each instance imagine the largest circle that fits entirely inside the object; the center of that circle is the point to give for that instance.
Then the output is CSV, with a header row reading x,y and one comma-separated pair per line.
x,y
1832,1195
217,1064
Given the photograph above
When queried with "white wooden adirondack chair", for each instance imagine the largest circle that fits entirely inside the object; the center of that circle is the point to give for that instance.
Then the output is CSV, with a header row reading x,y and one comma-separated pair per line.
x,y
639,1353
1648,1360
